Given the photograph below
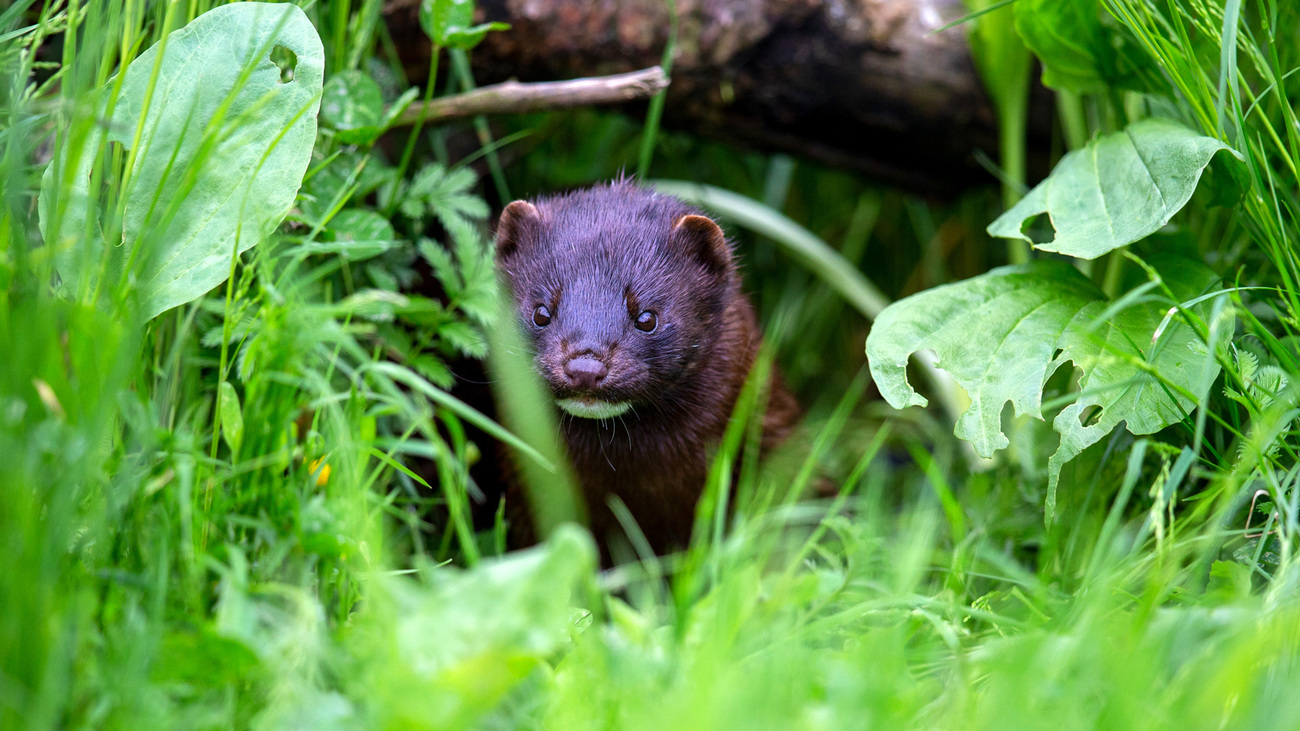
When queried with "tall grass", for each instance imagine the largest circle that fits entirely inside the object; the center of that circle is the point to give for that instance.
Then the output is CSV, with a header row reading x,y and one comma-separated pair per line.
x,y
269,553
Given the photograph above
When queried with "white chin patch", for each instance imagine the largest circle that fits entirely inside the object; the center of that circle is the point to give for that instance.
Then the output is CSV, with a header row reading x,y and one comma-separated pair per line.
x,y
591,408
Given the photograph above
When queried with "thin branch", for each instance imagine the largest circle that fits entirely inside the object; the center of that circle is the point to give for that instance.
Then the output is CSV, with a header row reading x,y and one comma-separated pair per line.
x,y
513,97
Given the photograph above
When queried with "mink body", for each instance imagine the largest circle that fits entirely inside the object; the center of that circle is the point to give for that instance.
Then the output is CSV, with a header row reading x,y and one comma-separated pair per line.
x,y
634,306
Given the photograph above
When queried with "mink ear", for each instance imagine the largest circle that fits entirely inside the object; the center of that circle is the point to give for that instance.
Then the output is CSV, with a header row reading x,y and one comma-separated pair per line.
x,y
701,237
516,227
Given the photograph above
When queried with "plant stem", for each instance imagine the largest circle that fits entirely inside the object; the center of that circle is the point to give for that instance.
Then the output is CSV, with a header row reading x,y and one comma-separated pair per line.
x,y
651,133
1011,136
1114,267
460,66
434,53
1074,123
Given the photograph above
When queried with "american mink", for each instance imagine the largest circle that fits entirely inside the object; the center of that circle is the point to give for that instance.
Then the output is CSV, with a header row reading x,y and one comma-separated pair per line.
x,y
634,306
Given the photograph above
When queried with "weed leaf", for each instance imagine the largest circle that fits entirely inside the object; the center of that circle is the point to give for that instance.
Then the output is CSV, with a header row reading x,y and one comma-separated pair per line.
x,y
1078,52
1032,319
446,664
222,151
1129,377
232,416
448,23
446,194
1067,37
1116,190
353,106
364,233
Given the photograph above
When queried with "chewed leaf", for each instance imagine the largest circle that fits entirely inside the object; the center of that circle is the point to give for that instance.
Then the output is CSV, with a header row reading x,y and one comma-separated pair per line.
x,y
1118,189
1113,382
223,146
996,335
1001,335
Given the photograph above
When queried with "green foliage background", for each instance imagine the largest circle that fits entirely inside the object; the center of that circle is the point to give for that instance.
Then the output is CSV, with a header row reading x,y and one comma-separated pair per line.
x,y
248,503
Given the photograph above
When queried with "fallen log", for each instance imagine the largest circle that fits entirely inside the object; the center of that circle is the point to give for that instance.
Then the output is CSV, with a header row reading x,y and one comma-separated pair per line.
x,y
863,84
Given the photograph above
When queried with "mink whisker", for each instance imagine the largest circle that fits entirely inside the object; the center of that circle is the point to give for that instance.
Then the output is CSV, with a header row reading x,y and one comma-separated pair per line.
x,y
626,429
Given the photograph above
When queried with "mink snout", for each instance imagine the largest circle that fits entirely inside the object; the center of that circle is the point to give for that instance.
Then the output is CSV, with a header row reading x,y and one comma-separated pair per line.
x,y
585,372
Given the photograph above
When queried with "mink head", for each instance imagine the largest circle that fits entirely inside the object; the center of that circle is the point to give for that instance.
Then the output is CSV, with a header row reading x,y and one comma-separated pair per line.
x,y
623,292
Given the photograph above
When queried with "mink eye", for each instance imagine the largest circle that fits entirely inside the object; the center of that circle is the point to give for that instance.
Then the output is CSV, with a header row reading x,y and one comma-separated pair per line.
x,y
541,316
647,321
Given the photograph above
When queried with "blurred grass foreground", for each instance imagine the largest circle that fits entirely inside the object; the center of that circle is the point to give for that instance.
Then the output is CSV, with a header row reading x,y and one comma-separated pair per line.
x,y
238,476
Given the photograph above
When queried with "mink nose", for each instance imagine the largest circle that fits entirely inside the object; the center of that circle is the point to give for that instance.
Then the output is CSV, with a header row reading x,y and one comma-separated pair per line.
x,y
585,372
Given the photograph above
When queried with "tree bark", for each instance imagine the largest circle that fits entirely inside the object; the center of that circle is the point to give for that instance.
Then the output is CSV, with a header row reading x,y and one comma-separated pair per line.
x,y
863,84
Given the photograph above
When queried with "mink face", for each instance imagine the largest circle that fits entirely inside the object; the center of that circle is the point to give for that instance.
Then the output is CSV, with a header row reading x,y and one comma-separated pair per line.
x,y
634,309
622,292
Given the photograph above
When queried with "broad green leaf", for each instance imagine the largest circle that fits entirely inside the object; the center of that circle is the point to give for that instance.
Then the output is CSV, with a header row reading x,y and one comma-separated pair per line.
x,y
467,38
353,106
222,151
348,176
203,658
438,16
364,228
1001,335
1077,50
449,23
1115,388
1118,189
460,639
1068,39
232,416
1020,313
1229,581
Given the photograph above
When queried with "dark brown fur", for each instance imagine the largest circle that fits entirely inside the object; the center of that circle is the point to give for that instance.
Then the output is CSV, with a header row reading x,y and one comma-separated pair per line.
x,y
596,258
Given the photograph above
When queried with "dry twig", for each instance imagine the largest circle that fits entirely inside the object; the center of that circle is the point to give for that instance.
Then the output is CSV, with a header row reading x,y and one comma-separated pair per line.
x,y
513,97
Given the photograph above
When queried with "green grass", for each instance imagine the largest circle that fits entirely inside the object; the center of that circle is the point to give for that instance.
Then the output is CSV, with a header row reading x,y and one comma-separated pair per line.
x,y
254,511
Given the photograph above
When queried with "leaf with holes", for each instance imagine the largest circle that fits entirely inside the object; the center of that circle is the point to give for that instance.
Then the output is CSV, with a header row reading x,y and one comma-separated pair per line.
x,y
1130,377
1118,189
222,149
1033,318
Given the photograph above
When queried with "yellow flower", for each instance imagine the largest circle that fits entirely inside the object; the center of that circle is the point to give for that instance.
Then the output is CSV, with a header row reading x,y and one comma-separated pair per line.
x,y
324,475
